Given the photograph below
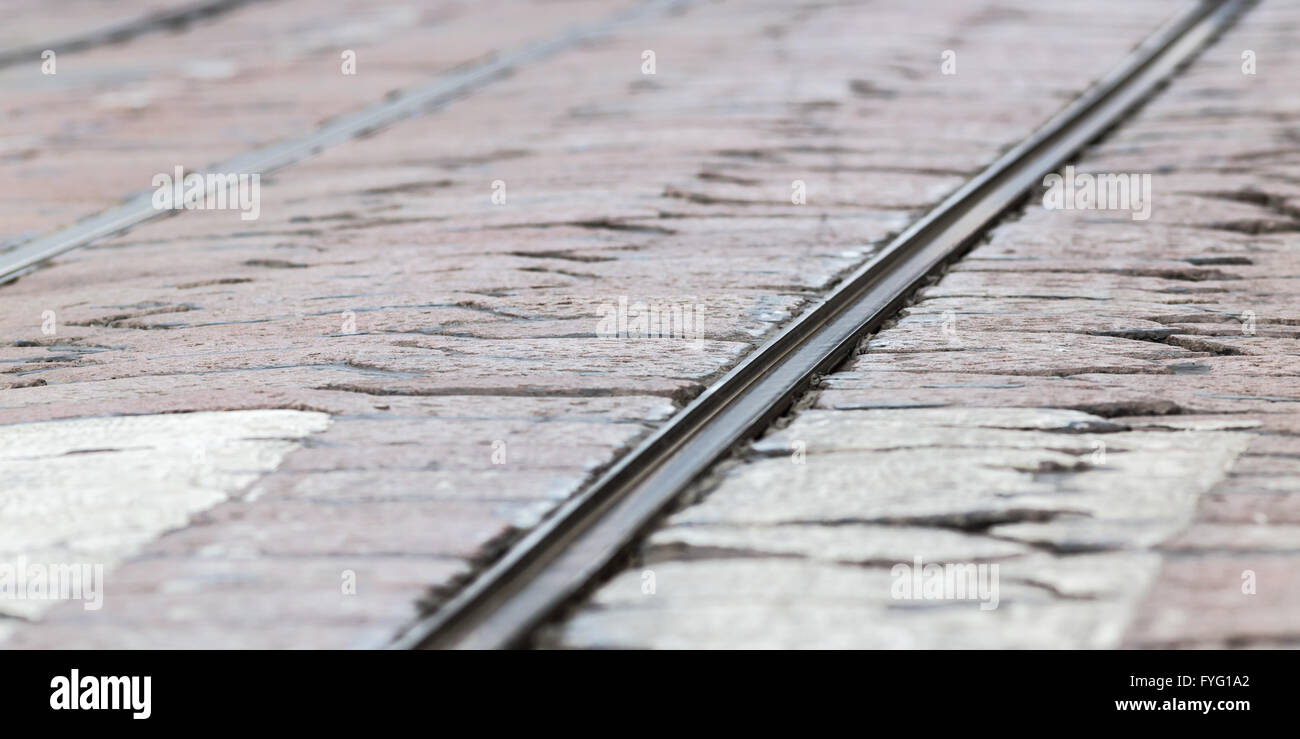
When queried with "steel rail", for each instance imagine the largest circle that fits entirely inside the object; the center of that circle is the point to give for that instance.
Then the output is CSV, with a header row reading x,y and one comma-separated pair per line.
x,y
138,208
553,562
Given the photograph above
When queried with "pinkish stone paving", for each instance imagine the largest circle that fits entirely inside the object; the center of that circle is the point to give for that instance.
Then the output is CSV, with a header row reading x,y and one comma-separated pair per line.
x,y
1103,407
345,409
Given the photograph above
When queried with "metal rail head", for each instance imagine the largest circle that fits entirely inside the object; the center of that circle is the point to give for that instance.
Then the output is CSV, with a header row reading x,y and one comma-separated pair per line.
x,y
542,571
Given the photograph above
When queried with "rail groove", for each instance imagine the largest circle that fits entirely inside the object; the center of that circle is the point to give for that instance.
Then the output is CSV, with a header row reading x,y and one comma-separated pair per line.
x,y
552,563
138,208
164,20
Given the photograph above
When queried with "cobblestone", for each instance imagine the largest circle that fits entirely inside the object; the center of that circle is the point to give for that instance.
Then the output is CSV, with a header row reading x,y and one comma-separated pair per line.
x,y
441,332
1115,397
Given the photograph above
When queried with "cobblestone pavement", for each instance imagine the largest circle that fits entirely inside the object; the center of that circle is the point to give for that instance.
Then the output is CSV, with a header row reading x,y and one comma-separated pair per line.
x,y
78,141
1105,408
396,369
28,25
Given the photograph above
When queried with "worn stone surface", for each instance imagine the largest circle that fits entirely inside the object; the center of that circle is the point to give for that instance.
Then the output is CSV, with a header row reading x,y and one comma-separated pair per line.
x,y
849,543
113,116
453,340
779,603
1116,397
26,22
96,491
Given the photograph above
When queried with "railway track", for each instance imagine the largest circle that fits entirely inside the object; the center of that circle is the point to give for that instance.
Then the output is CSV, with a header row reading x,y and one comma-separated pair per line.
x,y
158,22
20,258
581,541
557,560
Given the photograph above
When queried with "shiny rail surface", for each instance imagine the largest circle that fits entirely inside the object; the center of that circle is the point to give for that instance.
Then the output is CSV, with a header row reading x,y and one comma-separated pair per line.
x,y
555,561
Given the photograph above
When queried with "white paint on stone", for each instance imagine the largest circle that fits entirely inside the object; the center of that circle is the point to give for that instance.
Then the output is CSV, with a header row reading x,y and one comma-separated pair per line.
x,y
788,555
1061,625
764,603
1141,496
851,543
910,485
1174,423
211,69
97,490
1104,575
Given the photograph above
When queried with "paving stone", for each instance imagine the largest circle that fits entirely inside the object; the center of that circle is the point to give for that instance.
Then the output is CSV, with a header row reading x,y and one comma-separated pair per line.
x,y
848,543
1281,507
96,491
383,287
115,115
1209,600
1255,536
1115,397
777,604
